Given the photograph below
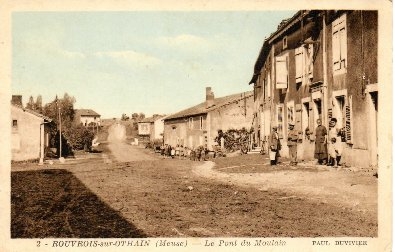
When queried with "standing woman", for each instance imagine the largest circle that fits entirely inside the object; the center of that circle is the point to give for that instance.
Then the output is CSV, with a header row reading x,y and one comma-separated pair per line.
x,y
320,151
274,146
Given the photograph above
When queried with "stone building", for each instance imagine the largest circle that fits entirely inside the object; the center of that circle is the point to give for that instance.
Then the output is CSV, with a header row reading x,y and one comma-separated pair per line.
x,y
29,133
87,117
151,128
199,125
320,64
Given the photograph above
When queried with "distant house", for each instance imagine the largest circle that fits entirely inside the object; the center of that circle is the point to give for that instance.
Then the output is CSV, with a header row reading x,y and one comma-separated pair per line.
x,y
151,128
199,125
87,117
29,133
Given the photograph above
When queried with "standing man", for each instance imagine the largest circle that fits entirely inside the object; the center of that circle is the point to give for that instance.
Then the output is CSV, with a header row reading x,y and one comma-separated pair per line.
x,y
274,146
320,151
292,143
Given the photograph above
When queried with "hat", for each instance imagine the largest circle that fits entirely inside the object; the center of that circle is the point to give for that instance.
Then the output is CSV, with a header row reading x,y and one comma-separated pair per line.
x,y
274,127
291,124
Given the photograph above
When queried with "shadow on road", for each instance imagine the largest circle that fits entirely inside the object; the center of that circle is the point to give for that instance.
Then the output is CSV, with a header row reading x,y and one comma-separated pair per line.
x,y
54,203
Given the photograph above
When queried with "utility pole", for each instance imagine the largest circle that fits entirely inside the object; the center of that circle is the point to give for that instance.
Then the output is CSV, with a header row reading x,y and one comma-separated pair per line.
x,y
325,85
60,130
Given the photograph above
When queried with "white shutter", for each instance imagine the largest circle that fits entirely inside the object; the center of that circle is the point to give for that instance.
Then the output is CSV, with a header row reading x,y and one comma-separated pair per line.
x,y
281,72
299,64
309,60
343,47
336,50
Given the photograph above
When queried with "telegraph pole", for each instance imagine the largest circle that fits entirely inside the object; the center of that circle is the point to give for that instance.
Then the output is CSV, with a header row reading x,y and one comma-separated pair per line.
x,y
60,134
60,127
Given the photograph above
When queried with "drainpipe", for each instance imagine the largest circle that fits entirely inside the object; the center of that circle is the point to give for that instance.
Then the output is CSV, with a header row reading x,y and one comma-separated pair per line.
x,y
42,132
325,84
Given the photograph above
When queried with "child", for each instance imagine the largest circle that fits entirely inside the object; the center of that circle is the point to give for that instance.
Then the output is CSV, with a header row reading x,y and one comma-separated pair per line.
x,y
333,152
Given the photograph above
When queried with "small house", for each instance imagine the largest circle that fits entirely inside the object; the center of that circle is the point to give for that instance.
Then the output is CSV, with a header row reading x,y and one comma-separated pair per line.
x,y
29,133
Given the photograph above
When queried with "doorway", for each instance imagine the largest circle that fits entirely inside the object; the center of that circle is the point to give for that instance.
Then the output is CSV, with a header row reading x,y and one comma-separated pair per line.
x,y
373,113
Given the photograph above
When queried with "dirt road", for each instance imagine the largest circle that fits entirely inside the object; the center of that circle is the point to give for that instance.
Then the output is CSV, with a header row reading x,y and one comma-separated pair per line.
x,y
132,192
337,187
121,149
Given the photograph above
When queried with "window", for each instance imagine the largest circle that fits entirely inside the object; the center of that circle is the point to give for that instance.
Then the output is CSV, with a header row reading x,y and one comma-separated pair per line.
x,y
201,122
285,42
15,123
190,123
339,45
282,71
303,63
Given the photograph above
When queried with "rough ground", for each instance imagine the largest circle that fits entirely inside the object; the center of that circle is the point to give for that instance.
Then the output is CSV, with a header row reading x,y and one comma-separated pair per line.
x,y
101,195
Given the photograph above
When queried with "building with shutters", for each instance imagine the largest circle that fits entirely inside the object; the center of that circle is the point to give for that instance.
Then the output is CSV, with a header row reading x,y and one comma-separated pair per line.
x,y
320,64
151,128
199,125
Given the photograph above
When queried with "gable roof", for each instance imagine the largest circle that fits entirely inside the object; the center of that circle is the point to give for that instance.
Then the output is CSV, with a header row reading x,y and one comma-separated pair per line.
x,y
85,112
32,112
218,102
151,119
147,120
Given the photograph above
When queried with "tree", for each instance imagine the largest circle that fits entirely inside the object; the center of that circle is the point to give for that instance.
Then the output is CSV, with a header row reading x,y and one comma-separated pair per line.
x,y
124,117
39,104
135,116
31,105
73,134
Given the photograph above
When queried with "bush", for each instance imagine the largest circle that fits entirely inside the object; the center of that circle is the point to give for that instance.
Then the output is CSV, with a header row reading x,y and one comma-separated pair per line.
x,y
235,139
79,137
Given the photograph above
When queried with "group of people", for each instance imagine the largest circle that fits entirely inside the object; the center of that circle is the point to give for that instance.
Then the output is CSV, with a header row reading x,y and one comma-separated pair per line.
x,y
328,147
183,152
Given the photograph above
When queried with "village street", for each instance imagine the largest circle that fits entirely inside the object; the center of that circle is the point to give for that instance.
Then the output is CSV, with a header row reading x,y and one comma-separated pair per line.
x,y
129,191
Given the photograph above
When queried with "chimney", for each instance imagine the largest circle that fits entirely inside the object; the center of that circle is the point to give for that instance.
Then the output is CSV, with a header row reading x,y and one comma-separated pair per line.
x,y
209,97
17,100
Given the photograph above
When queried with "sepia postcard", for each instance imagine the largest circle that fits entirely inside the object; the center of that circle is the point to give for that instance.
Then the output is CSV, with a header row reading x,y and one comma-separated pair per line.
x,y
196,125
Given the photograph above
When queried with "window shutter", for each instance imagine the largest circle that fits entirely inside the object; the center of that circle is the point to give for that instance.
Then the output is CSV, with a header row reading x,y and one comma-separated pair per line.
x,y
299,64
281,72
343,47
290,114
309,60
336,50
348,124
298,117
280,121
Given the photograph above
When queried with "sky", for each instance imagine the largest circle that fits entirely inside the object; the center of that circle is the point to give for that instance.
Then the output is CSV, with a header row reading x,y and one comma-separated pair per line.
x,y
126,62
